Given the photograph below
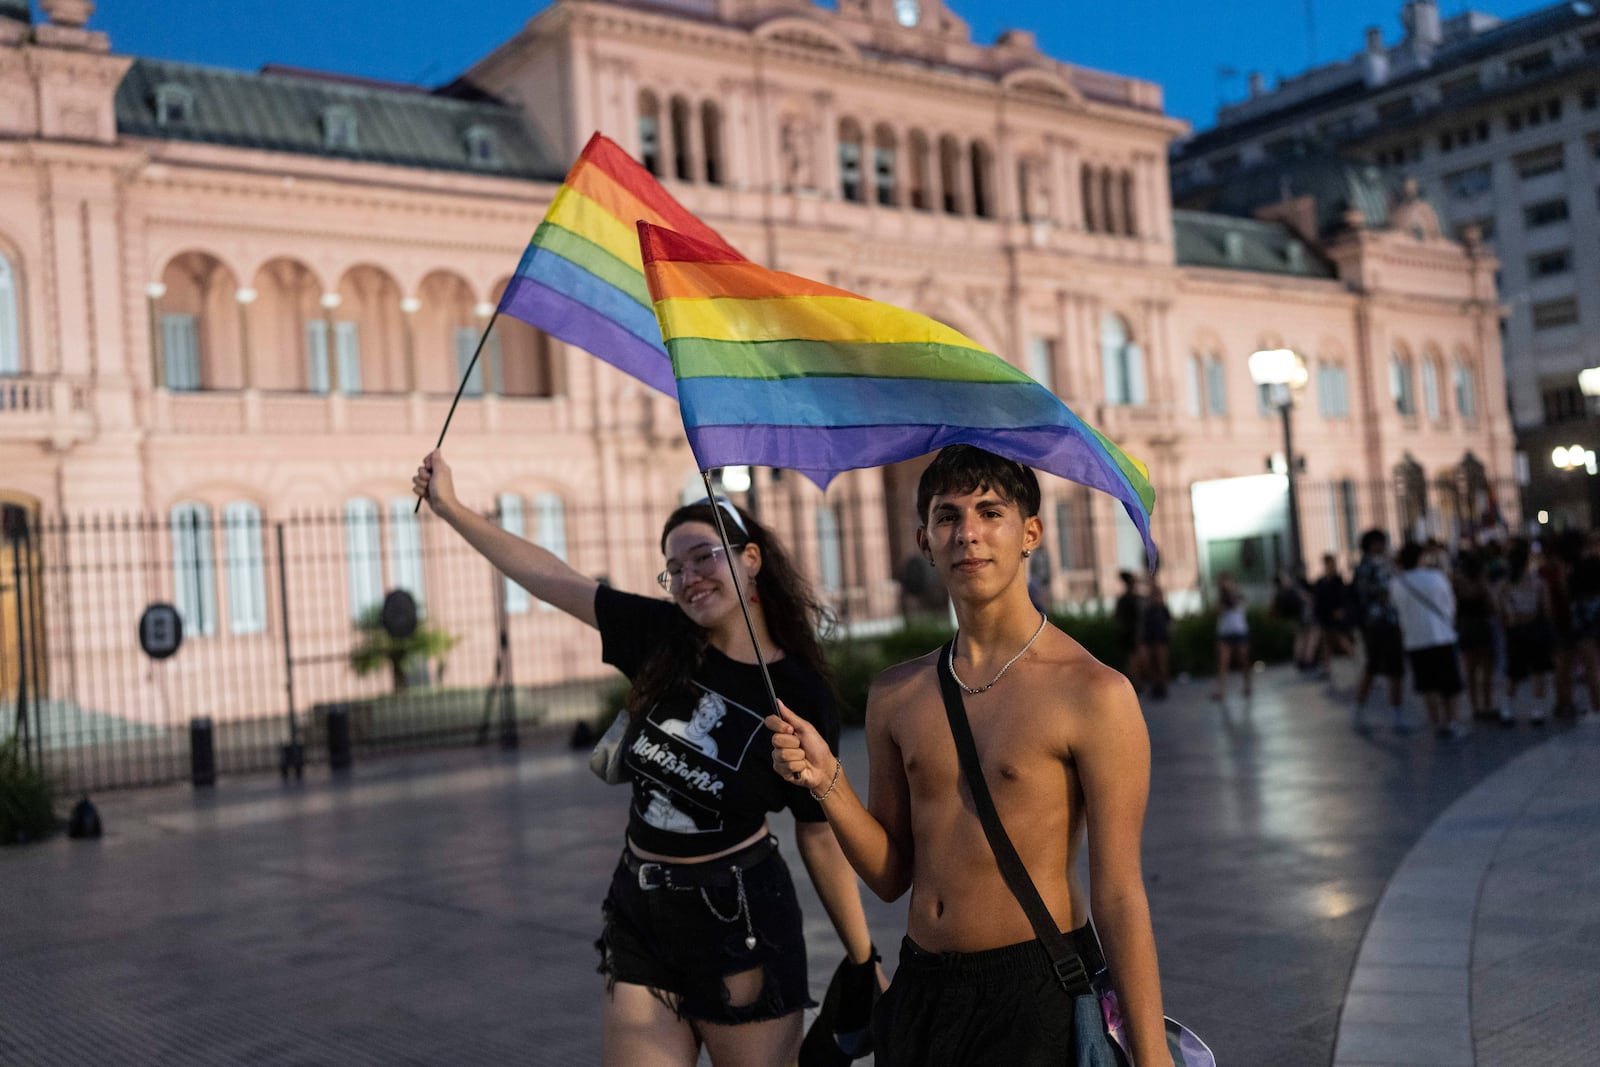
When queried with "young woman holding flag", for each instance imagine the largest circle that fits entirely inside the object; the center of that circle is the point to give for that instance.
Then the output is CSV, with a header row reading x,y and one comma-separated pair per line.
x,y
702,944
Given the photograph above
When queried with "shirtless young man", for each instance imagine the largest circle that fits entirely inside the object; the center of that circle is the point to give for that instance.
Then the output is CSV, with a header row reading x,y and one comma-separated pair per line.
x,y
1064,751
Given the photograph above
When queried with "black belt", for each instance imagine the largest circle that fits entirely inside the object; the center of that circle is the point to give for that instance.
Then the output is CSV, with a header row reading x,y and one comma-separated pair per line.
x,y
654,874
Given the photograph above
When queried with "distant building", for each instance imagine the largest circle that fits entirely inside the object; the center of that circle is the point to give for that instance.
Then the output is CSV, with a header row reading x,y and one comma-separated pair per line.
x,y
1498,122
226,297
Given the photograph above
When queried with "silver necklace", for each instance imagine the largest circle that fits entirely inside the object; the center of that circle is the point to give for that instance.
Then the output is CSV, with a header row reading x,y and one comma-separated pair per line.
x,y
973,691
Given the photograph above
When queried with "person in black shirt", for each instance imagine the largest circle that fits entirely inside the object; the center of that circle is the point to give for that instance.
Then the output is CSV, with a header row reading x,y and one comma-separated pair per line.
x,y
703,942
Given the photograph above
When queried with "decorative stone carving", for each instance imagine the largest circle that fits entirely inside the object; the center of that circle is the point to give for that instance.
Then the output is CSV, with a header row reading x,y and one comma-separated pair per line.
x,y
797,145
1035,188
70,13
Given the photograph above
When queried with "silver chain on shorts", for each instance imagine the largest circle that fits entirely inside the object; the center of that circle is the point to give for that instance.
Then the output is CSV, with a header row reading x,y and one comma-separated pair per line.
x,y
743,908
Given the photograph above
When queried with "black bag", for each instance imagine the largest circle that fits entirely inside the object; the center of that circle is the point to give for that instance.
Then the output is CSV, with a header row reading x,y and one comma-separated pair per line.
x,y
842,1031
84,820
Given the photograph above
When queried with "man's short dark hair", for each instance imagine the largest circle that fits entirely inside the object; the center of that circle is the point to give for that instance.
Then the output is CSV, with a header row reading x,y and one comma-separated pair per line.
x,y
1410,556
967,468
1374,540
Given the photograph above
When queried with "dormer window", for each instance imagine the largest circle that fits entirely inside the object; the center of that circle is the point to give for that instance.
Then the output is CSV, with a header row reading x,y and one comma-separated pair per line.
x,y
1295,255
339,129
174,105
1233,246
483,148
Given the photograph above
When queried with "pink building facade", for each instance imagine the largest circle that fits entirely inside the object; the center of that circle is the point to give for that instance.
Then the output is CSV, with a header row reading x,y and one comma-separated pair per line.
x,y
229,297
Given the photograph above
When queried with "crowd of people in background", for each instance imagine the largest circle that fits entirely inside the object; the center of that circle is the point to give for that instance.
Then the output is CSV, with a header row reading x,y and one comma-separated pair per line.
x,y
1512,625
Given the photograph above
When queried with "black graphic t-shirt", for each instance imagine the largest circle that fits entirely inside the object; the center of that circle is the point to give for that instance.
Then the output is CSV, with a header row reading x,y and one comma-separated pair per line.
x,y
701,766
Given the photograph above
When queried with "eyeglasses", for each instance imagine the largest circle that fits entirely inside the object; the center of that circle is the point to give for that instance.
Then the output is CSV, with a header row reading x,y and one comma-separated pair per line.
x,y
700,561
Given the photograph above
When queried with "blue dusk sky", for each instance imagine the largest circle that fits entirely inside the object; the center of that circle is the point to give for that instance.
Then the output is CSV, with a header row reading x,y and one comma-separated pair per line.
x,y
1184,47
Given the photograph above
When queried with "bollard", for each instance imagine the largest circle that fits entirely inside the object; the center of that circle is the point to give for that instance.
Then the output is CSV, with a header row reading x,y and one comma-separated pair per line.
x,y
202,752
338,725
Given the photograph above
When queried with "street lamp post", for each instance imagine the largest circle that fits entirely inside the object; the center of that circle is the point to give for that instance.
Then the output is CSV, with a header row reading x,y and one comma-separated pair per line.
x,y
1282,371
1581,457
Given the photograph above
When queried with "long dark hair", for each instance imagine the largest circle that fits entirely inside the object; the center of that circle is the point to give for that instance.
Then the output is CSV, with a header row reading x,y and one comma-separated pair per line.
x,y
792,611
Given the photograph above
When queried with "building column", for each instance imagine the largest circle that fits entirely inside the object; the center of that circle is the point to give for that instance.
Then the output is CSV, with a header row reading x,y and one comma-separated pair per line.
x,y
1066,205
827,148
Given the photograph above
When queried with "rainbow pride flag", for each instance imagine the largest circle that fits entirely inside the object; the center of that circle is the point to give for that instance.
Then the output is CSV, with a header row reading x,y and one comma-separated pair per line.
x,y
781,371
581,278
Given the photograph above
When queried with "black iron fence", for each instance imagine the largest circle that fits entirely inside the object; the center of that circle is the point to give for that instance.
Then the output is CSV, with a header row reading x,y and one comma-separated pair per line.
x,y
284,659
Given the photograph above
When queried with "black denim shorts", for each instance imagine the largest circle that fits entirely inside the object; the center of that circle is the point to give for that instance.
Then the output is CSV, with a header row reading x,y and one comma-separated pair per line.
x,y
682,942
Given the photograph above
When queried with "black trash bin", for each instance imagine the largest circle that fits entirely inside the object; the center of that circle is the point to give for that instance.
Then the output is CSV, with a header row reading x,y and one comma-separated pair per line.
x,y
202,752
338,726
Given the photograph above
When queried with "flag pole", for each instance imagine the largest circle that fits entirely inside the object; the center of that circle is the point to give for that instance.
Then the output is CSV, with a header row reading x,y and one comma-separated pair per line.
x,y
727,552
483,337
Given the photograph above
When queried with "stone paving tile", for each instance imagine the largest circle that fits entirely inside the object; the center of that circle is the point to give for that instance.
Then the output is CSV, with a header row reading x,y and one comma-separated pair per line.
x,y
441,909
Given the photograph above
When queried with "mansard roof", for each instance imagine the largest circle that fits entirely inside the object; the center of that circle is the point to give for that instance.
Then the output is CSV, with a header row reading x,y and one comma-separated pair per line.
x,y
1201,239
285,110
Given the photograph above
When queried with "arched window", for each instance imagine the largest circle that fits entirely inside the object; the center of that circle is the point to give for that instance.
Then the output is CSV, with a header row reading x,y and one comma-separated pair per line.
x,y
550,527
1123,363
483,147
950,175
1042,361
509,506
1110,217
405,547
682,169
650,133
1466,391
180,351
978,158
10,327
194,569
1130,220
1333,391
711,137
1401,386
921,171
1430,390
246,568
339,130
830,551
1216,385
174,104
1086,194
851,186
885,166
363,555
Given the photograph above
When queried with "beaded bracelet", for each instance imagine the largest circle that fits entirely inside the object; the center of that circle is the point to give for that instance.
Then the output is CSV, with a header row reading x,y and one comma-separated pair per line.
x,y
824,794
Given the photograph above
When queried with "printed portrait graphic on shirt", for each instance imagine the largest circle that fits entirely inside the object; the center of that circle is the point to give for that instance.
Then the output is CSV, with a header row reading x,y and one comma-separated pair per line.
x,y
685,759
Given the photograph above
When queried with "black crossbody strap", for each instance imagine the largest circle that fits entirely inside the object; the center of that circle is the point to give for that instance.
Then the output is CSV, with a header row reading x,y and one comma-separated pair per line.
x,y
1068,964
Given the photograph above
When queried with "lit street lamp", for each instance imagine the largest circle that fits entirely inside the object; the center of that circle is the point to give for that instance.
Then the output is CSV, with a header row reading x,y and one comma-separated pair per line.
x,y
1282,371
1581,457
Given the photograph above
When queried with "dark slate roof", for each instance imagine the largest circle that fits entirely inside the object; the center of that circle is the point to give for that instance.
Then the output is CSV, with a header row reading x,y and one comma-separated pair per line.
x,y
1202,240
17,10
282,110
1336,185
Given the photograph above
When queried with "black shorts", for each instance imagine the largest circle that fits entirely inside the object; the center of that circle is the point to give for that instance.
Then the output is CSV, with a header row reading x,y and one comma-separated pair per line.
x,y
682,941
1529,649
1386,656
1436,670
1001,1006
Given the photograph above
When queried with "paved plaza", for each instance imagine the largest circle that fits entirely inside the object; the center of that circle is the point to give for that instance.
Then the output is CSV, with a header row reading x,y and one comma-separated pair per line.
x,y
1319,897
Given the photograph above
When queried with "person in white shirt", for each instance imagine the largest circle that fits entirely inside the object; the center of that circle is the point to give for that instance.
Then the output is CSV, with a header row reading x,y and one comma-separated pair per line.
x,y
1426,605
